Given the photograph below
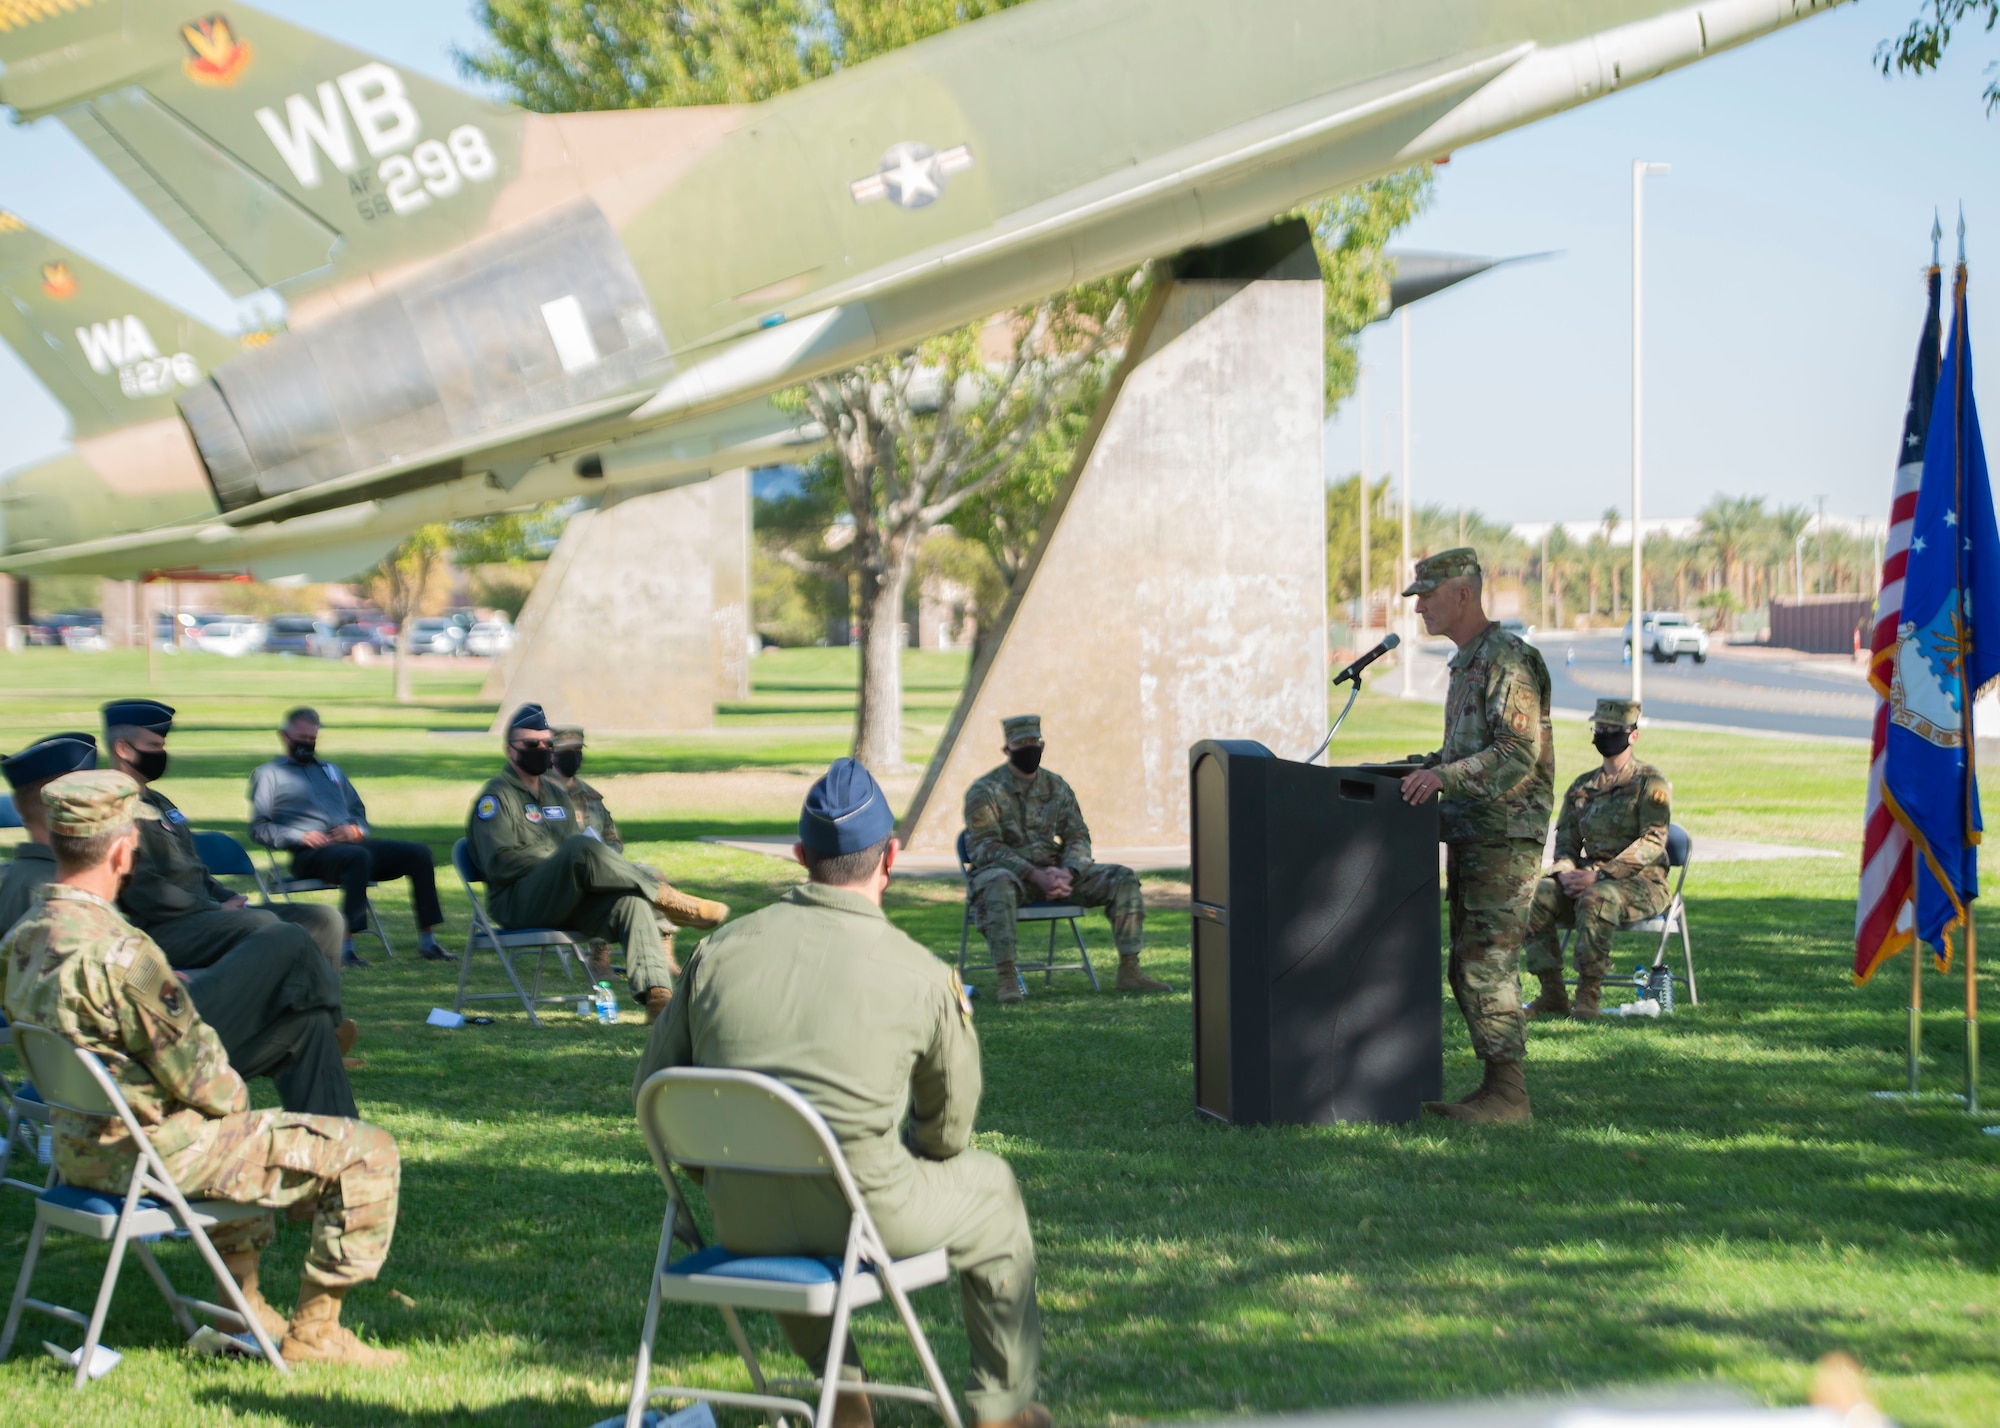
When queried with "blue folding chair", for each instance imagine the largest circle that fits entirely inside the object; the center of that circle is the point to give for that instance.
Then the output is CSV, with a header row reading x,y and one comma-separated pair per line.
x,y
1049,912
505,943
28,1122
10,816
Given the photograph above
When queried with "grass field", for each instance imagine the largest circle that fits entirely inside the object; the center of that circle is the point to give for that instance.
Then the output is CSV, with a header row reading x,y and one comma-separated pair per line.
x,y
1714,1197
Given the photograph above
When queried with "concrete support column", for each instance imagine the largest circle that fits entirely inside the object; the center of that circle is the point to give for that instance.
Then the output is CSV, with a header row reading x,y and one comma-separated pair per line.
x,y
123,606
1178,588
641,620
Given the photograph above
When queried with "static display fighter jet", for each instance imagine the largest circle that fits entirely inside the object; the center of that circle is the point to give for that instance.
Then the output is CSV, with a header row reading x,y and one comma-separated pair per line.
x,y
492,308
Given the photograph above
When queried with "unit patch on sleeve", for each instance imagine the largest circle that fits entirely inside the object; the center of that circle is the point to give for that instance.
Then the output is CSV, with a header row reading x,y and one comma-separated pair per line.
x,y
534,814
486,807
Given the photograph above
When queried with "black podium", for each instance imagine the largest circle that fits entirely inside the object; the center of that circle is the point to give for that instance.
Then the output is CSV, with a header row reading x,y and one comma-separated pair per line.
x,y
1316,941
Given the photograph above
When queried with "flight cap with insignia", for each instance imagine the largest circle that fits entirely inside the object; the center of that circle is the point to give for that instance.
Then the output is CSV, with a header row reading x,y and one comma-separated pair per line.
x,y
49,758
528,716
845,811
87,803
568,736
1021,729
1434,570
140,714
1617,713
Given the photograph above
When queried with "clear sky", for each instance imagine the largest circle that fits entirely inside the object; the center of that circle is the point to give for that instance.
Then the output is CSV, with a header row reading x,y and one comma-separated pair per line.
x,y
1784,266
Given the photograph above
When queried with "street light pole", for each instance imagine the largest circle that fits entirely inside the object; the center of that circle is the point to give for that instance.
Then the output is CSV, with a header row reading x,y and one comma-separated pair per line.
x,y
1407,660
1640,168
1361,397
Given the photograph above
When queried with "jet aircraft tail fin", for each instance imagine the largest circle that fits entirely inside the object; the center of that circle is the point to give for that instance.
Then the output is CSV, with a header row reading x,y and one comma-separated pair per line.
x,y
111,353
264,148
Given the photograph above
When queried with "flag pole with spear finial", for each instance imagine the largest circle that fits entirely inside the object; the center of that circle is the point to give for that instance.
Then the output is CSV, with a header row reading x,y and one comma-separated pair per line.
x,y
1971,739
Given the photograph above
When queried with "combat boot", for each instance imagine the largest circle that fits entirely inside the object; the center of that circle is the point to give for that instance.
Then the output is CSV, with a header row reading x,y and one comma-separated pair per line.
x,y
598,961
699,913
1011,990
1502,1099
853,1410
1584,1008
243,1269
658,999
1033,1416
317,1337
346,1034
1131,979
1554,1000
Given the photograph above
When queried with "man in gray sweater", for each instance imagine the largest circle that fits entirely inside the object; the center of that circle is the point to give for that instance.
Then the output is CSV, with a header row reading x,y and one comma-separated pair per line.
x,y
301,805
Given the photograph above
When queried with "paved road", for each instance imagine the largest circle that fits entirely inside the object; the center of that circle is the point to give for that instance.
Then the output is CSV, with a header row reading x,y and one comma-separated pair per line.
x,y
1743,688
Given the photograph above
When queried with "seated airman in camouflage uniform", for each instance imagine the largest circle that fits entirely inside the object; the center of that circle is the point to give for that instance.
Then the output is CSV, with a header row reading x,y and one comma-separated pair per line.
x,y
1610,867
1028,842
545,867
75,967
1494,780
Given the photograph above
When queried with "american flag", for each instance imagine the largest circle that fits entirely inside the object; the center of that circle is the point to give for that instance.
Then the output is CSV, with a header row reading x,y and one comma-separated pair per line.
x,y
1883,916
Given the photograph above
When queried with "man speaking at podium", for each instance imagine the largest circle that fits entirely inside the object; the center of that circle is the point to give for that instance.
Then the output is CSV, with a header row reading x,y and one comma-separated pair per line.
x,y
1495,782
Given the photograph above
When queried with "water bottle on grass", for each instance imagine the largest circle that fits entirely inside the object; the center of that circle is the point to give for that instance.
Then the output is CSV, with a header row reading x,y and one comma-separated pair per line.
x,y
607,1004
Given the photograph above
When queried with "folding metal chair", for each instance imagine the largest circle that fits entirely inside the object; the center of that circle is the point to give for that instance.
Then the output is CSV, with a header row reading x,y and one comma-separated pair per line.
x,y
10,816
1049,912
27,1121
1680,851
485,933
74,1080
745,1122
272,883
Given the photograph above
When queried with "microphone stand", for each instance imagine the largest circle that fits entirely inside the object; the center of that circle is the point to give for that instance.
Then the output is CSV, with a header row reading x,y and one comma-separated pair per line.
x,y
1353,695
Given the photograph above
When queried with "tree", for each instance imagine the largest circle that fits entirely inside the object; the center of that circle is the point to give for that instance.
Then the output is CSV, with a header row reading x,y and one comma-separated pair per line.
x,y
400,586
1729,527
1343,542
917,434
1350,231
1922,46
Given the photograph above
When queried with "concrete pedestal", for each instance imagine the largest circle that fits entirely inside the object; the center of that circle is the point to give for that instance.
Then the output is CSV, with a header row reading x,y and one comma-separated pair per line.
x,y
641,621
1178,590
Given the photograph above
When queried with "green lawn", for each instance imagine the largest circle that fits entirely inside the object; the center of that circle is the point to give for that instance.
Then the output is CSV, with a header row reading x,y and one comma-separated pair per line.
x,y
1713,1197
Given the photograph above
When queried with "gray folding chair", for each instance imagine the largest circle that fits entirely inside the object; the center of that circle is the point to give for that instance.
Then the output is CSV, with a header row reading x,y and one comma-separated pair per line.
x,y
485,933
72,1079
1049,912
751,1124
1680,852
27,1120
224,857
272,883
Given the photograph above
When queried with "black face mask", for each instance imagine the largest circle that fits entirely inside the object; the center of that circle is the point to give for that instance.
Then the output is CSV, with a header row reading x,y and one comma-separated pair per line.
x,y
568,761
1027,758
151,764
1611,742
303,750
534,759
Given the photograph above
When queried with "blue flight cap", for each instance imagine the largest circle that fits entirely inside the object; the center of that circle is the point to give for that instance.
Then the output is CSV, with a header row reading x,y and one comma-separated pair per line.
x,y
528,716
845,812
50,758
140,713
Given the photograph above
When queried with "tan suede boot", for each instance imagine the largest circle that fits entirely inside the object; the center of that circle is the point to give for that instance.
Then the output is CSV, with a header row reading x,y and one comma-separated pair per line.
x,y
346,1034
1584,1008
598,962
243,1268
317,1337
1010,984
1502,1099
1033,1416
699,913
658,999
853,1410
1554,1000
1131,979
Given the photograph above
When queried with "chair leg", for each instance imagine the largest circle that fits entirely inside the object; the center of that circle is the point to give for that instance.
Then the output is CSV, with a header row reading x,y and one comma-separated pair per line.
x,y
1687,950
465,966
381,932
166,1287
964,933
1049,958
105,1290
1083,952
232,1293
836,1343
35,1238
947,1406
743,1349
642,1373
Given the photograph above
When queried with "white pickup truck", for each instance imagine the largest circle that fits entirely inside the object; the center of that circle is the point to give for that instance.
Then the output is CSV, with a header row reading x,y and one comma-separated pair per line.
x,y
1668,636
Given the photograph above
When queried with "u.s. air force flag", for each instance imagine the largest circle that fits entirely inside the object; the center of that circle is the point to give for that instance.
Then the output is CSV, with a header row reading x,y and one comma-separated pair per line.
x,y
1948,646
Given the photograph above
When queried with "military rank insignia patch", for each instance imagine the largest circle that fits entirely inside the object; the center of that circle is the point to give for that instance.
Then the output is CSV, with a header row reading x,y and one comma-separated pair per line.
x,y
486,807
1659,793
534,814
174,815
555,813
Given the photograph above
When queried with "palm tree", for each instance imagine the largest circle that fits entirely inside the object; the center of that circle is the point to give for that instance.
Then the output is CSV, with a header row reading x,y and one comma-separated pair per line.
x,y
1729,527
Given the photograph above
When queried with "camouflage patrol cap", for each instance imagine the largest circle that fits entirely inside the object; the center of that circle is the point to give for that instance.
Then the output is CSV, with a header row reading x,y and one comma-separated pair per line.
x,y
1019,728
568,736
93,801
1618,713
1434,570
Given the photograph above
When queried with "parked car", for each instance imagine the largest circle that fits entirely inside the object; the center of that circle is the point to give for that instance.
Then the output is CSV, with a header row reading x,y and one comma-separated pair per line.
x,y
230,637
1518,627
1667,635
489,637
301,635
368,637
436,635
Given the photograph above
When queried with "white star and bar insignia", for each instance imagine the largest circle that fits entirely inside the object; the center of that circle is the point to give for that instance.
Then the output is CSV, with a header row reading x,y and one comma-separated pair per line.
x,y
911,175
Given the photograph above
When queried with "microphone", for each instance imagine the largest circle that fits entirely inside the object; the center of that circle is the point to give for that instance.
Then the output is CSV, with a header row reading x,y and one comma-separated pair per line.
x,y
1353,672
